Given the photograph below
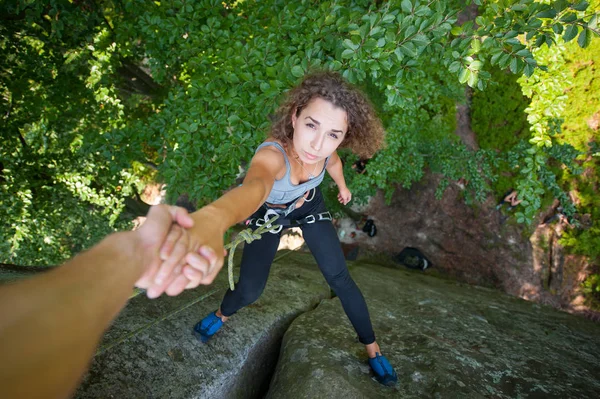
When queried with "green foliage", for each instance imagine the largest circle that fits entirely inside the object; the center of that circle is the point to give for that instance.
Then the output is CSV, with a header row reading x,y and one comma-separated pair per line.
x,y
498,113
582,114
591,288
583,96
89,88
546,89
499,121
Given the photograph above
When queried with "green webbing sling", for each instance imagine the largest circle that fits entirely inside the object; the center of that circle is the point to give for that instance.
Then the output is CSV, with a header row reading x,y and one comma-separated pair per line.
x,y
248,235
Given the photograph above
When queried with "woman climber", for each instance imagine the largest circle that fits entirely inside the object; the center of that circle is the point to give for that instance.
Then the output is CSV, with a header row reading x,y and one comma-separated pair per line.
x,y
321,114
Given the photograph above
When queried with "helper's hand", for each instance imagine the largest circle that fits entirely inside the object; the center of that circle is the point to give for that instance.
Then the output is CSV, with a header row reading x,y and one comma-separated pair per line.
x,y
196,252
152,235
169,278
344,196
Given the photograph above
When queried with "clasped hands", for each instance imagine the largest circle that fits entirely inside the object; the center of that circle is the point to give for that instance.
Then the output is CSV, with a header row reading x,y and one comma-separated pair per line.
x,y
178,252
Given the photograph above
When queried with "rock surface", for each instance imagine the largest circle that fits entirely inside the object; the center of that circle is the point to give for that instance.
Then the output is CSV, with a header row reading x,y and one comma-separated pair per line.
x,y
446,340
150,352
477,245
12,273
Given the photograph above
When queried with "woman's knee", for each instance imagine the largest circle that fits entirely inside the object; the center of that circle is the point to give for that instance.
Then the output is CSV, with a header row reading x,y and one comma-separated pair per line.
x,y
341,280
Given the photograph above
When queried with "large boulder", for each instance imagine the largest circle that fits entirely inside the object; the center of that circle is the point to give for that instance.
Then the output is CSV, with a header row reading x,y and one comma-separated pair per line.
x,y
150,351
446,340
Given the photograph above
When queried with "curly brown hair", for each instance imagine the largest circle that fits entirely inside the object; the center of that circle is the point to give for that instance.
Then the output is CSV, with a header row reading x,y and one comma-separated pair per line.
x,y
365,132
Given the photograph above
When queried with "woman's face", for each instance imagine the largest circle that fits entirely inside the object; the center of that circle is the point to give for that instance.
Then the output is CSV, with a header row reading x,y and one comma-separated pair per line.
x,y
318,130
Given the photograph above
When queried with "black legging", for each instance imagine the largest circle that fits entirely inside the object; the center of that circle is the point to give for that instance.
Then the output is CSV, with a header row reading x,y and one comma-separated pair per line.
x,y
322,240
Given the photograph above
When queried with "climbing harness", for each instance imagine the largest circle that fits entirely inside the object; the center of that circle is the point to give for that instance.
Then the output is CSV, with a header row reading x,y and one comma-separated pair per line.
x,y
309,219
266,224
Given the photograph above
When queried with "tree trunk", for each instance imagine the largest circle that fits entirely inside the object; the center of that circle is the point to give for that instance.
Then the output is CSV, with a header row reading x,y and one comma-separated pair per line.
x,y
136,80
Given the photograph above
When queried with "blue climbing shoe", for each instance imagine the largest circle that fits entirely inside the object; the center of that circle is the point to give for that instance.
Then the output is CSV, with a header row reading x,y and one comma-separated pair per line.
x,y
384,372
207,327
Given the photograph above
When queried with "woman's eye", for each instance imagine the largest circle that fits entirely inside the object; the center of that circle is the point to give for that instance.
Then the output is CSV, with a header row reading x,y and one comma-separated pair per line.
x,y
310,125
333,135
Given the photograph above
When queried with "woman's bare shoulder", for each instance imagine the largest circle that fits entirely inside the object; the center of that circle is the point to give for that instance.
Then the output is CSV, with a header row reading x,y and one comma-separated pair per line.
x,y
271,157
270,148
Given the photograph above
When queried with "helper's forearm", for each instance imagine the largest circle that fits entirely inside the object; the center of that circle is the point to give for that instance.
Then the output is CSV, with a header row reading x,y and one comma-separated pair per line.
x,y
50,324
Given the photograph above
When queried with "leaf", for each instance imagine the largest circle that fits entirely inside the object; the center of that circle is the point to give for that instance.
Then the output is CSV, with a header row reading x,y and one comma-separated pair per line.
x,y
347,53
264,86
350,44
569,17
375,30
410,31
535,23
495,58
540,40
557,28
399,54
406,6
584,38
476,65
409,49
550,13
504,60
390,36
473,78
464,75
570,33
593,24
297,71
363,30
513,65
454,67
531,61
422,11
581,6
387,18
420,40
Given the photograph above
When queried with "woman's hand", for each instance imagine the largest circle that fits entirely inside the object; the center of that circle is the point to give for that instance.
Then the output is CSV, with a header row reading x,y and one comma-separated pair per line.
x,y
344,196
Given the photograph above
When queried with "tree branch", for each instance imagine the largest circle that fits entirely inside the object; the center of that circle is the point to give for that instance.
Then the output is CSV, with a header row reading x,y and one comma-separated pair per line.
x,y
23,142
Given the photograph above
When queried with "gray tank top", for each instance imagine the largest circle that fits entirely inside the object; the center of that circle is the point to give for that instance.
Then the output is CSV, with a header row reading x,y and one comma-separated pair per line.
x,y
283,191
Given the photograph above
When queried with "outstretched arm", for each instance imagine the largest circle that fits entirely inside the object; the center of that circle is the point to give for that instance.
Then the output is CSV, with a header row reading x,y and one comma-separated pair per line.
x,y
335,170
203,253
50,324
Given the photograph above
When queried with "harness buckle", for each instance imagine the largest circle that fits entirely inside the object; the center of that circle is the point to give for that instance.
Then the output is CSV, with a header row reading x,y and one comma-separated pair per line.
x,y
310,219
271,212
324,216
